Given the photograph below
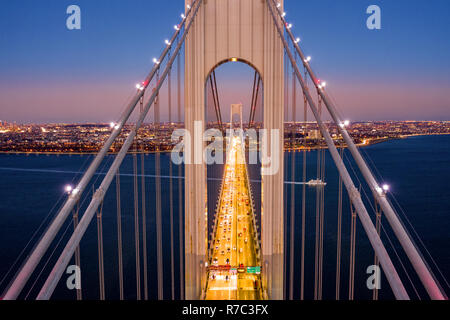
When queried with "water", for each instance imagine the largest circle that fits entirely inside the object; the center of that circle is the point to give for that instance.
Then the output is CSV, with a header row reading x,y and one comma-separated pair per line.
x,y
416,168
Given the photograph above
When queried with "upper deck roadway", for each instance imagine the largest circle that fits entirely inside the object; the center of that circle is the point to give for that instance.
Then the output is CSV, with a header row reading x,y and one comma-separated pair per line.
x,y
235,247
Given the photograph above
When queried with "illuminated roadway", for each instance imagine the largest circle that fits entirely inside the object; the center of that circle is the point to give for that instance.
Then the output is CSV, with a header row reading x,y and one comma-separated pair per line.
x,y
234,245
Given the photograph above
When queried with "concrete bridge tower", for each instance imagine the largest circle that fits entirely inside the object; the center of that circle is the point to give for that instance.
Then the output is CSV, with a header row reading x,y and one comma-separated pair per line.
x,y
234,30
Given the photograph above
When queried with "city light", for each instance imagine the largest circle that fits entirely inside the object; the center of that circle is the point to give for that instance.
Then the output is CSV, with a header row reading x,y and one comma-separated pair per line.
x,y
283,14
288,25
167,42
308,59
386,187
155,61
234,59
297,40
278,5
139,87
183,16
176,27
188,6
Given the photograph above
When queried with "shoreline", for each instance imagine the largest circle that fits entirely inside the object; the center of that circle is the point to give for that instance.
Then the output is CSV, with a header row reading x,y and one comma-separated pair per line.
x,y
376,141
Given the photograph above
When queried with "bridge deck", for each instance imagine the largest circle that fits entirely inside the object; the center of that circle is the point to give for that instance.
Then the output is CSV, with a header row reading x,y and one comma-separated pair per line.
x,y
235,246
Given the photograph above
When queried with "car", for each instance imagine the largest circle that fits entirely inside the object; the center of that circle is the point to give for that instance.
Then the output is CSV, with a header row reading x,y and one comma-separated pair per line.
x,y
222,253
228,261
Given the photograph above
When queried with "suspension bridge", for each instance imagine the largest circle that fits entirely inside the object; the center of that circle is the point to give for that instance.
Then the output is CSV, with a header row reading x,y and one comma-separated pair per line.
x,y
240,250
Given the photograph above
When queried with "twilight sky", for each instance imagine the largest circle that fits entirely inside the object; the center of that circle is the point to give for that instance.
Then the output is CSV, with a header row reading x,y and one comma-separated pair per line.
x,y
51,74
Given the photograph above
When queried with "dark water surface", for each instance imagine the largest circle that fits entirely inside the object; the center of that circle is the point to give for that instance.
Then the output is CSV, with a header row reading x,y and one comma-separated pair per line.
x,y
416,168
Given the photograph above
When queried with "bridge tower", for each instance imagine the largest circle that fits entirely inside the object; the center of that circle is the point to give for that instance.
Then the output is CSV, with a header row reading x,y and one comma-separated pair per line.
x,y
234,30
236,109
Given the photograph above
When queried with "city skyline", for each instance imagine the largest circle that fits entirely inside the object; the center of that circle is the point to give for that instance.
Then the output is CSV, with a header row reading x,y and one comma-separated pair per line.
x,y
53,75
243,143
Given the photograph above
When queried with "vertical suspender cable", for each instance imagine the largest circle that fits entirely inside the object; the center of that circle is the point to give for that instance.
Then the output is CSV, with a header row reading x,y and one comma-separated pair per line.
x,y
318,210
144,214
214,99
378,227
101,269
253,98
77,251
136,227
215,96
180,188
339,234
256,97
217,100
322,222
158,204
302,262
293,136
119,236
255,102
172,262
285,215
351,284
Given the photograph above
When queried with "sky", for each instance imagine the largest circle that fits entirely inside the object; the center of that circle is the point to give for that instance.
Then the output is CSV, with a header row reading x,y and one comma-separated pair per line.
x,y
51,74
